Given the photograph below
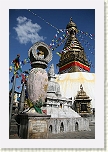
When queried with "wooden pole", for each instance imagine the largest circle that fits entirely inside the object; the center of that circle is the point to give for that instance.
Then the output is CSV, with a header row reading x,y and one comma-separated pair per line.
x,y
11,103
22,98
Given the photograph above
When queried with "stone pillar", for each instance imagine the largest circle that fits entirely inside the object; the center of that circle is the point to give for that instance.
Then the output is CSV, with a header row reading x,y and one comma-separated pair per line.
x,y
40,55
33,123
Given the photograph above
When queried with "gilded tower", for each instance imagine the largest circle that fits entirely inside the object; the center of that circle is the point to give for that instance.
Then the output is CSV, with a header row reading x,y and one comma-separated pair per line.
x,y
73,58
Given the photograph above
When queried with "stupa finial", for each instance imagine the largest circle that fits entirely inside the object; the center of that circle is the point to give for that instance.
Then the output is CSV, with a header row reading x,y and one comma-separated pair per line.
x,y
81,87
71,19
51,70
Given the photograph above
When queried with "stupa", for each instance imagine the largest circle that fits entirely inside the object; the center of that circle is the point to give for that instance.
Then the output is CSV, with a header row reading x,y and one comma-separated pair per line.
x,y
56,105
73,58
74,68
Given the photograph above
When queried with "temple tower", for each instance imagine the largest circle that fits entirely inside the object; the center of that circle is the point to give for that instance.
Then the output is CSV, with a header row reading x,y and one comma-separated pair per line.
x,y
73,58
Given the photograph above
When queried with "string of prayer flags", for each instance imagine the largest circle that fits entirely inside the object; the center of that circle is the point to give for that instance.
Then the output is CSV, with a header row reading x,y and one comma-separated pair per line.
x,y
88,48
17,64
86,43
91,36
84,40
61,42
57,39
43,19
55,36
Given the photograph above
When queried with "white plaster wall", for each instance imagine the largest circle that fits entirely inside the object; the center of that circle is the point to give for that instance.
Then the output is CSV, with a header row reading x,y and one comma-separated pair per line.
x,y
69,124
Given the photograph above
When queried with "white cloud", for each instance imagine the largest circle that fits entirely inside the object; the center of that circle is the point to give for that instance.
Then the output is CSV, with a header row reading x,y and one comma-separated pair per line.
x,y
27,31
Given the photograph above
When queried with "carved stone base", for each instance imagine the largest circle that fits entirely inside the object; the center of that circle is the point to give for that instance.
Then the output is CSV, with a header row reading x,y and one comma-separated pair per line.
x,y
33,126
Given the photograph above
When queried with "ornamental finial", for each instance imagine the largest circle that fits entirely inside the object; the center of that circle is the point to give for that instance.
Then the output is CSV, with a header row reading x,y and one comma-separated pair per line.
x,y
81,87
51,72
71,19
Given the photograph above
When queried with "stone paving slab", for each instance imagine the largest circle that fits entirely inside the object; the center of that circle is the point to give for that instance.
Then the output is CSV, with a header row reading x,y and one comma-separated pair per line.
x,y
75,135
70,135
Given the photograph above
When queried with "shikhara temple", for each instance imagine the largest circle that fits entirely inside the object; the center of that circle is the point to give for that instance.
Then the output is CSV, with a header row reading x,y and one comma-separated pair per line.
x,y
70,97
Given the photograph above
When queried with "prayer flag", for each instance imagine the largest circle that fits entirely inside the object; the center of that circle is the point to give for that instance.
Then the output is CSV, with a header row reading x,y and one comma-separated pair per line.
x,y
58,53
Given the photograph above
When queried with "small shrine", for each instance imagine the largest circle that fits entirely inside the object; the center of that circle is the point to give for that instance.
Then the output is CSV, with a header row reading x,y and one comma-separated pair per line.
x,y
55,104
73,57
82,103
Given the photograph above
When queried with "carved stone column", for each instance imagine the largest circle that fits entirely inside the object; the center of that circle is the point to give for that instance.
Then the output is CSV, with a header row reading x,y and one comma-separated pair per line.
x,y
34,123
40,55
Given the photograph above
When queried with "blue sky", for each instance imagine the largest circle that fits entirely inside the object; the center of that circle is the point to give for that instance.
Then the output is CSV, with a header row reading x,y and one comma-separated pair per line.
x,y
25,29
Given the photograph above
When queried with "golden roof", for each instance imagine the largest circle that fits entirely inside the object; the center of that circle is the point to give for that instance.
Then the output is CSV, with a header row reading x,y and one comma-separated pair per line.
x,y
82,94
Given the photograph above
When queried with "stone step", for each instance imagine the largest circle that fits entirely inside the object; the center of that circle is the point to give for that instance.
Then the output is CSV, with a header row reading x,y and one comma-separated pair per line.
x,y
12,132
13,127
13,121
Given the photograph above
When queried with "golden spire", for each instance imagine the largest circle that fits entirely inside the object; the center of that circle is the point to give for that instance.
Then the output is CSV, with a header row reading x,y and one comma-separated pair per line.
x,y
71,24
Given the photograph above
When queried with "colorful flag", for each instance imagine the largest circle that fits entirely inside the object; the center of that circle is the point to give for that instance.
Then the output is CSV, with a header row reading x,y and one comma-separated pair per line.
x,y
44,111
23,77
17,76
18,87
17,64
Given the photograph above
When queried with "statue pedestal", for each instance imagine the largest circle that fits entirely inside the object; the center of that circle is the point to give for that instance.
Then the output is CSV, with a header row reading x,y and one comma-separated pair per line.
x,y
33,126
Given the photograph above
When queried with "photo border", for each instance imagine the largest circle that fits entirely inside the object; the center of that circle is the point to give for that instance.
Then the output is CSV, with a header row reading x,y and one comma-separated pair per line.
x,y
15,4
